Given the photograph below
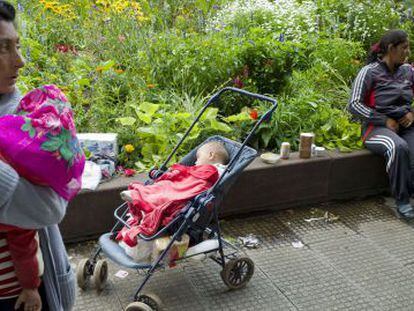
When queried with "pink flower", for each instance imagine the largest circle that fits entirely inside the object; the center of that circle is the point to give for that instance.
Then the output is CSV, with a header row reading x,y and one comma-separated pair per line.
x,y
238,83
55,93
66,118
32,100
65,48
128,172
46,119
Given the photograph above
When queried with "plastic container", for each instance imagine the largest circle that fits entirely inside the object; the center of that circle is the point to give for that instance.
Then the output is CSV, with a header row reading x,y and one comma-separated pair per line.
x,y
270,158
305,145
285,150
141,252
176,251
201,248
320,151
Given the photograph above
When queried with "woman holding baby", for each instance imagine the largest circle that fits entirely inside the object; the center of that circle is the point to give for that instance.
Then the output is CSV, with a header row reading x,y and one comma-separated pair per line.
x,y
29,207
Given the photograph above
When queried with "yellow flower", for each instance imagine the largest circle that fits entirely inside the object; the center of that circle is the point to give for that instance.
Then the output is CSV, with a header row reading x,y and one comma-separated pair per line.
x,y
129,148
64,10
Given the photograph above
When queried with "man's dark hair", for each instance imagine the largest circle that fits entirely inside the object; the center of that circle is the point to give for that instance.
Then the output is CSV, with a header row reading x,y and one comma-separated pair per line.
x,y
7,12
393,37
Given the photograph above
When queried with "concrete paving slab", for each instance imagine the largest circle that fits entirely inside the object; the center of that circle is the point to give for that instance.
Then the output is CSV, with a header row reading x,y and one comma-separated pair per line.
x,y
308,281
386,282
362,261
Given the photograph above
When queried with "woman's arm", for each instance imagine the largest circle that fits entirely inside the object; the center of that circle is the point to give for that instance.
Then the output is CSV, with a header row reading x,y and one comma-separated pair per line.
x,y
360,90
26,205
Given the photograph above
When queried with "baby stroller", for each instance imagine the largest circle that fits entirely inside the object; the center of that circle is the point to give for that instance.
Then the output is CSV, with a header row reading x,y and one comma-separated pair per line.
x,y
198,219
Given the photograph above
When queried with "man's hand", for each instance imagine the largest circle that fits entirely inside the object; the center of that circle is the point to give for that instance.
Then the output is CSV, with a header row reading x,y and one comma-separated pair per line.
x,y
392,125
407,120
31,300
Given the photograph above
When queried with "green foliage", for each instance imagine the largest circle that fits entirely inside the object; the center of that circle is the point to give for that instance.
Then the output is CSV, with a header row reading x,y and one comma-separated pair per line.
x,y
161,129
268,62
336,131
343,55
144,69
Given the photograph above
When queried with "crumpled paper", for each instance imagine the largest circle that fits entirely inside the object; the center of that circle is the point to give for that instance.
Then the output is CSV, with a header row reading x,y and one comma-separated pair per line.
x,y
297,244
249,241
322,215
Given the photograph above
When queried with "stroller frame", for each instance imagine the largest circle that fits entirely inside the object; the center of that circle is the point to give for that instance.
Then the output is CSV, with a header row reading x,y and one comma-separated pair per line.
x,y
185,220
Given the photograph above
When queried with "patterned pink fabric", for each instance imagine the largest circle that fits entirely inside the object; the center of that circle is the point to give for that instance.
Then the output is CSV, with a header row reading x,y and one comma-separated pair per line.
x,y
40,142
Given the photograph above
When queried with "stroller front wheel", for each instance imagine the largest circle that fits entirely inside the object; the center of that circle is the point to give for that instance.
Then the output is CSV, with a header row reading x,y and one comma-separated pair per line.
x,y
138,306
152,300
237,272
83,273
100,274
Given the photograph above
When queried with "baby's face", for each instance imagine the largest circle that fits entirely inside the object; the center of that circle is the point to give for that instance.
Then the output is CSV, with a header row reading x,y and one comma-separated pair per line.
x,y
204,156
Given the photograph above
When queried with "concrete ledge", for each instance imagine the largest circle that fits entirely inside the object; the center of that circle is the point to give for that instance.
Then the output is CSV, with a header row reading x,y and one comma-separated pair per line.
x,y
287,184
356,174
283,185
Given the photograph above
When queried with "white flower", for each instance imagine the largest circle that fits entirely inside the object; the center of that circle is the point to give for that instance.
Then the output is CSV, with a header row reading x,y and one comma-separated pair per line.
x,y
289,17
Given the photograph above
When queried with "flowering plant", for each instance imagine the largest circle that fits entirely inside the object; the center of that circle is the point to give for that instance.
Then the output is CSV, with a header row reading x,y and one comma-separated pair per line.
x,y
291,18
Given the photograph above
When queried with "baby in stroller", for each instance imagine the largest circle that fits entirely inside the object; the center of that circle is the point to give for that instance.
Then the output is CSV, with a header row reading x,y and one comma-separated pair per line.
x,y
195,209
152,206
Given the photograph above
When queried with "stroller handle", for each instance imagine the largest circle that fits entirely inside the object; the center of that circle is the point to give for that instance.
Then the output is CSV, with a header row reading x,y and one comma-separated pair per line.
x,y
215,98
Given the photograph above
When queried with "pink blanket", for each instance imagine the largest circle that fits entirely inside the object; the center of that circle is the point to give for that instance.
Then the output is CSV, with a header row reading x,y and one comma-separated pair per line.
x,y
157,204
40,142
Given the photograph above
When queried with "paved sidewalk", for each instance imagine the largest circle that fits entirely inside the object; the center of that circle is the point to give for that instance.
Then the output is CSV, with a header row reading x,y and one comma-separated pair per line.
x,y
362,261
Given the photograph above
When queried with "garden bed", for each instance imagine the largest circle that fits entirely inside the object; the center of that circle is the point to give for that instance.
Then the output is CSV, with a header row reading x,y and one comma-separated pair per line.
x,y
144,69
287,184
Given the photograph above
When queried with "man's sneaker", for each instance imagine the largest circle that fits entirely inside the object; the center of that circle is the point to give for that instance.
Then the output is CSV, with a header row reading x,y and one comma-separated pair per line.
x,y
405,211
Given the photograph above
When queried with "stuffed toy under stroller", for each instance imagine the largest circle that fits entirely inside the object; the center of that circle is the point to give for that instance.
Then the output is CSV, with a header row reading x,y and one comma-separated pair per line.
x,y
198,220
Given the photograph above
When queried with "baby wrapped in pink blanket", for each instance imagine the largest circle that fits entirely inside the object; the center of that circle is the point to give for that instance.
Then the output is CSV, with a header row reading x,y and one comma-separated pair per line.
x,y
40,143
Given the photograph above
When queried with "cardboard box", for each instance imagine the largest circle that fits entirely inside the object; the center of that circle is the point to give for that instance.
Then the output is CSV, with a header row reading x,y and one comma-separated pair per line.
x,y
100,143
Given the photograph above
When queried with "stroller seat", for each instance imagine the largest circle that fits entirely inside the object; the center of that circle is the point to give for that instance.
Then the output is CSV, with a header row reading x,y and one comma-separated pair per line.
x,y
117,254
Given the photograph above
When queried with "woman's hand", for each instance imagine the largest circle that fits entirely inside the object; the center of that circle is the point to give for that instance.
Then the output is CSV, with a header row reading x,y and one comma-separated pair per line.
x,y
407,120
392,125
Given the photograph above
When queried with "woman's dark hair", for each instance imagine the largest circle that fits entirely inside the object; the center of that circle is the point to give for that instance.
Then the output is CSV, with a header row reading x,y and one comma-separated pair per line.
x,y
393,37
7,12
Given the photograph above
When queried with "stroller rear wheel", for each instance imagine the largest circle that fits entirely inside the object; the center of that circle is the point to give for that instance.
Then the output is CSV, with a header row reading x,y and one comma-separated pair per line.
x,y
138,306
83,273
151,300
237,272
100,274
